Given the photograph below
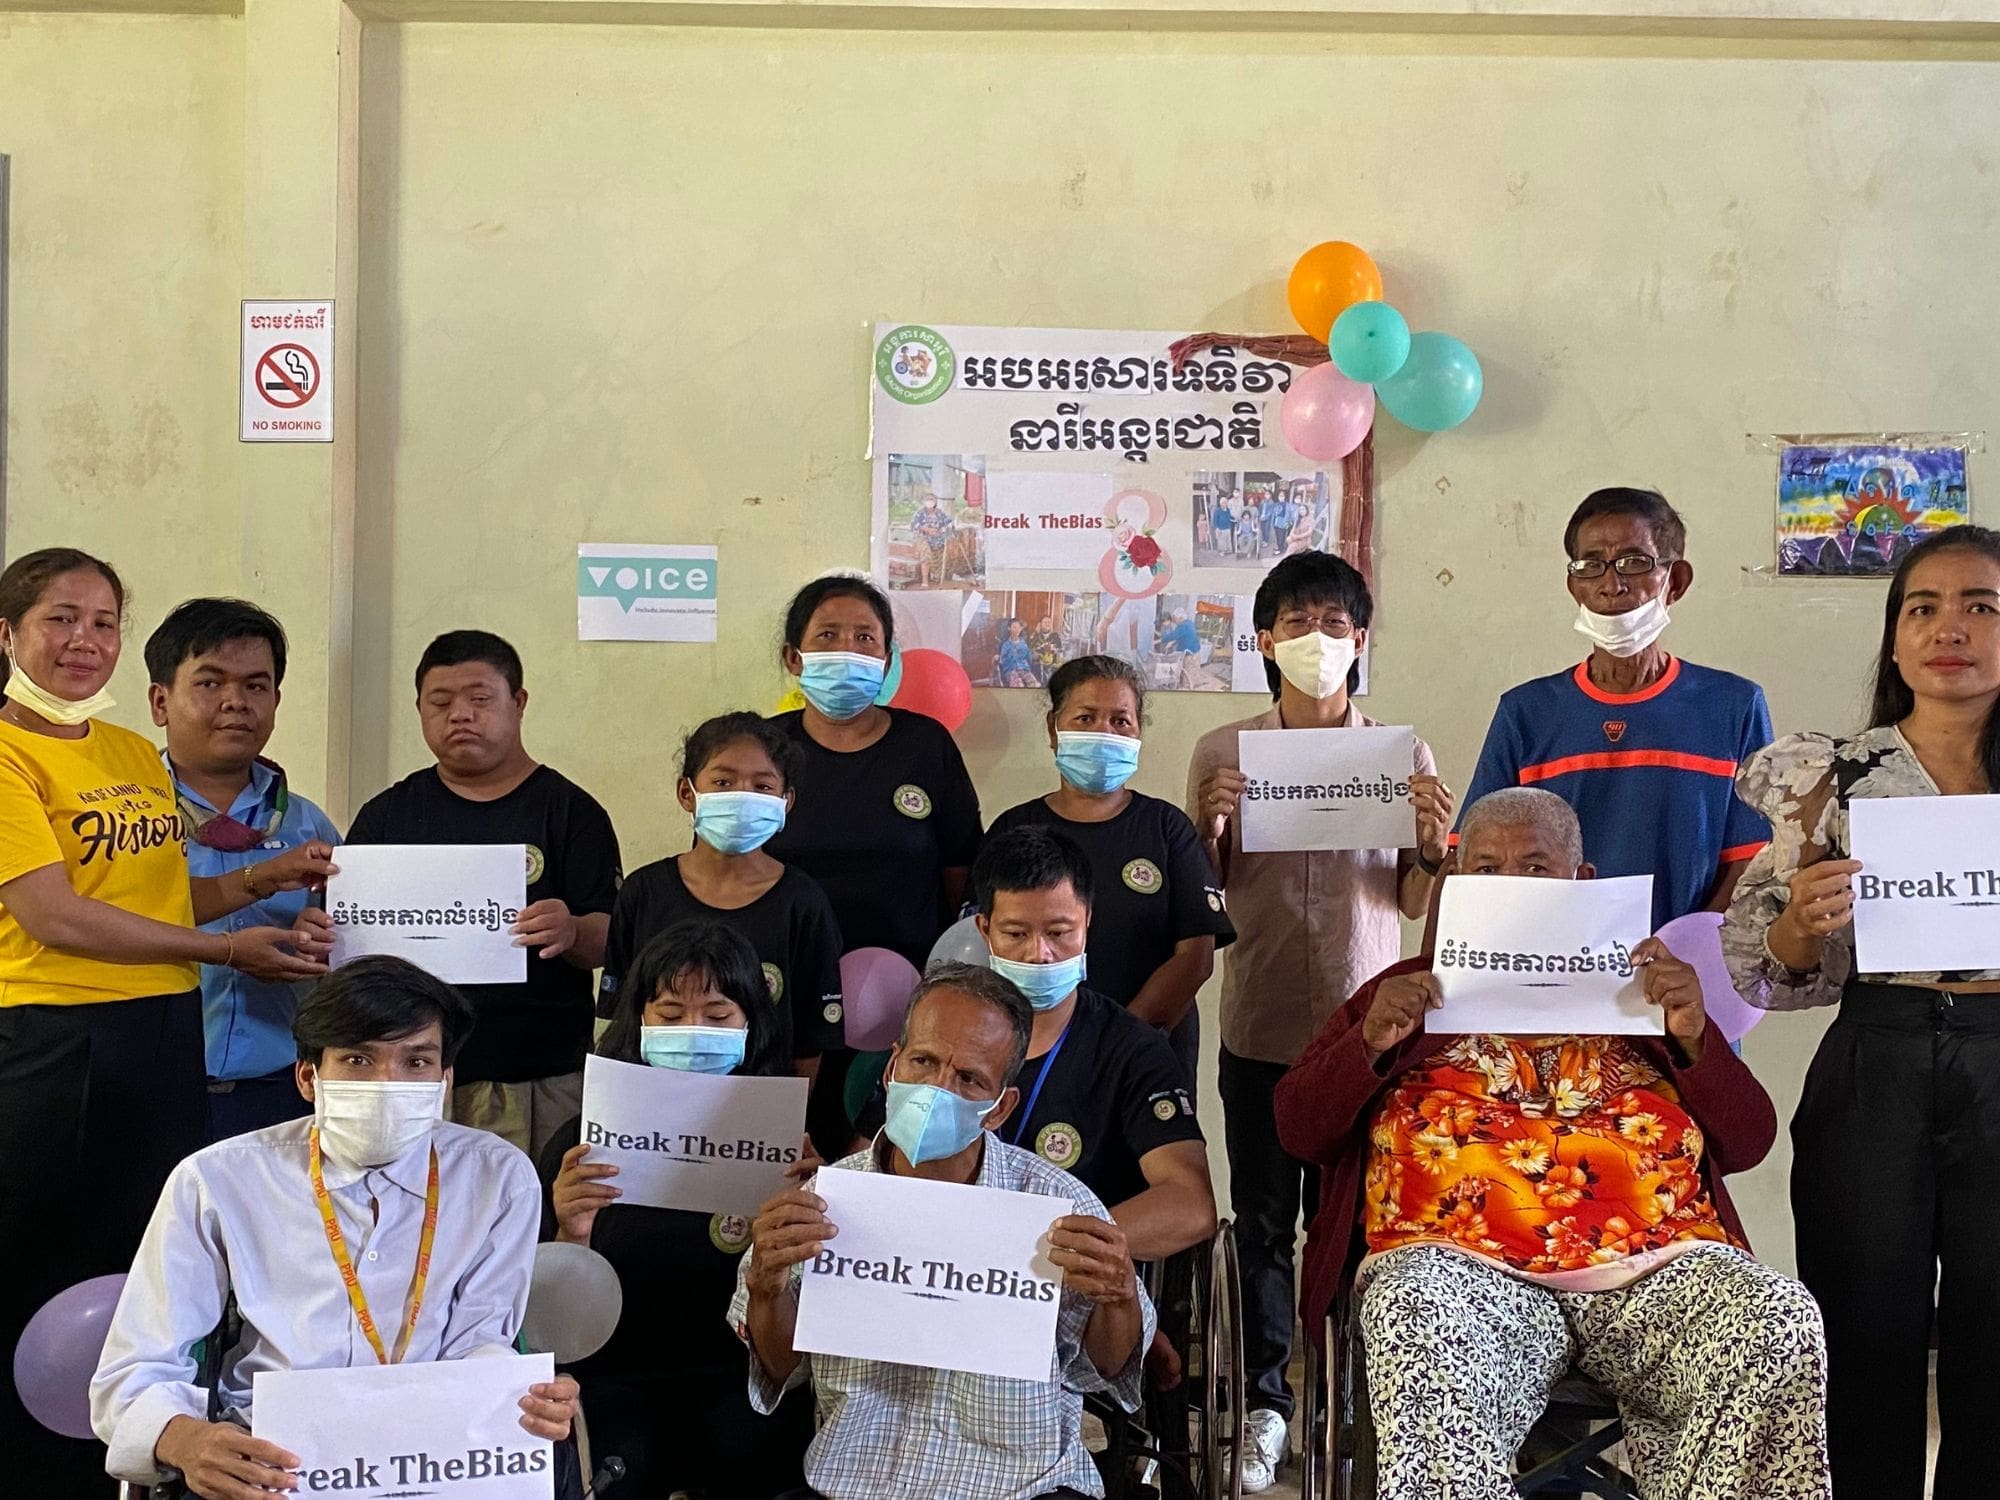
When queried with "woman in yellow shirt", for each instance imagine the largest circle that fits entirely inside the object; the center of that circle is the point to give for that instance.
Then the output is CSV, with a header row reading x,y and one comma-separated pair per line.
x,y
101,1072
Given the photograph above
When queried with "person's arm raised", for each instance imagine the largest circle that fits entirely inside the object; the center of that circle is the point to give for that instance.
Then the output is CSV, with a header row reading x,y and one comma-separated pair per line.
x,y
788,1231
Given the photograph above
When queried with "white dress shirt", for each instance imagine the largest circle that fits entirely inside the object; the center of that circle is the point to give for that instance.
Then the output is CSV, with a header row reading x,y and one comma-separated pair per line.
x,y
239,1216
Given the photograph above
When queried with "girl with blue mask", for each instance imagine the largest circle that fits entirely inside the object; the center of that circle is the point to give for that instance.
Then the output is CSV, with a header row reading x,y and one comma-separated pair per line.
x,y
694,1000
737,772
1161,914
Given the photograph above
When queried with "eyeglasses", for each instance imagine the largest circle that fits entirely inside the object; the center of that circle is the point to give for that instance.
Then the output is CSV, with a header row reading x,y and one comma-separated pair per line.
x,y
1298,622
1627,565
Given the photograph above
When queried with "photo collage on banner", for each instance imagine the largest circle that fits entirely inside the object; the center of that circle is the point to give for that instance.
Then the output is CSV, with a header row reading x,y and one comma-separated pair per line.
x,y
1042,494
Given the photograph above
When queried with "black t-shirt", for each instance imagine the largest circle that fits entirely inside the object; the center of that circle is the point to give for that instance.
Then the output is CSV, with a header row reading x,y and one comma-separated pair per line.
x,y
541,1027
678,1269
790,925
877,828
1155,888
1115,1092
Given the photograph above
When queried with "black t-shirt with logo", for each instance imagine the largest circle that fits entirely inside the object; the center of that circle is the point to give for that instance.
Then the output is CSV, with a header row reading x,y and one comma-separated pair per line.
x,y
541,1027
1114,1092
1155,888
790,925
878,827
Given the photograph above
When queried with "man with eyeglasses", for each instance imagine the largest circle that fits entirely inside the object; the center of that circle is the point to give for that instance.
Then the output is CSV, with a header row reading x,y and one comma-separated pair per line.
x,y
1311,929
1641,743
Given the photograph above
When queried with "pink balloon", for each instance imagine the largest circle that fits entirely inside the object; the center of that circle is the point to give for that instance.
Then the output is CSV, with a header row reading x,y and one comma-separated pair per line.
x,y
1696,939
1325,415
935,684
875,989
59,1351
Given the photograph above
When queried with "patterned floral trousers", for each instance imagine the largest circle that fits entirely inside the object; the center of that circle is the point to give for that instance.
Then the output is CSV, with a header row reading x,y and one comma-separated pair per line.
x,y
1716,1361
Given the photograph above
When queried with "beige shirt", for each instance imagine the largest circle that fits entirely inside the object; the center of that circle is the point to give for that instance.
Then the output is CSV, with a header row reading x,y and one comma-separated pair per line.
x,y
1311,928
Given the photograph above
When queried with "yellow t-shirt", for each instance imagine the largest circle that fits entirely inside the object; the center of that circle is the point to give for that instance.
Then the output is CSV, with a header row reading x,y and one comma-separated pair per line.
x,y
103,808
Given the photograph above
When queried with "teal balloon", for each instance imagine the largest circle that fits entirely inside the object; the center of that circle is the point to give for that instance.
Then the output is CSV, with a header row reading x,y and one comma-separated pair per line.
x,y
1438,386
892,679
1369,342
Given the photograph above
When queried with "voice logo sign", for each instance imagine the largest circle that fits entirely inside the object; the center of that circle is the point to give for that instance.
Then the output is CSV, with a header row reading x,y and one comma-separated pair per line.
x,y
642,592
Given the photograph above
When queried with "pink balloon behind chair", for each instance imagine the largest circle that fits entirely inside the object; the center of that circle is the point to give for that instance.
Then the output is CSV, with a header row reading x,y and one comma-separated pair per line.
x,y
1696,939
875,990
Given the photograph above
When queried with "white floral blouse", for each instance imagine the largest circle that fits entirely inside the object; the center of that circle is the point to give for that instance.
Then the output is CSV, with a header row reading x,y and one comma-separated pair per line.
x,y
1803,783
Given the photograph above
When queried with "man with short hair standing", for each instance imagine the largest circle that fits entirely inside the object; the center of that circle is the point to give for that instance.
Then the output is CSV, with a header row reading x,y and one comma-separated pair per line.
x,y
1642,744
521,1075
217,667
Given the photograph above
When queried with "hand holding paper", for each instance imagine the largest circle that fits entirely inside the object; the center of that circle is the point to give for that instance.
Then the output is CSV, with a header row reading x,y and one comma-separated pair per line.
x,y
1330,789
447,908
1926,897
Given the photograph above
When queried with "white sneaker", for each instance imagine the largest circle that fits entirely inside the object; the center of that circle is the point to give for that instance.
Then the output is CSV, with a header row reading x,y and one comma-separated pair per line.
x,y
1269,1440
1257,1475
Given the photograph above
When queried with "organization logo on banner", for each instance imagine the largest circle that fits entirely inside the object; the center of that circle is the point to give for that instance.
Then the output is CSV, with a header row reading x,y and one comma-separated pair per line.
x,y
630,579
914,364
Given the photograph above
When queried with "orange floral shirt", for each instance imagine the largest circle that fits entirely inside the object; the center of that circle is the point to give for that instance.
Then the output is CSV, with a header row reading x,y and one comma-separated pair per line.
x,y
1548,1154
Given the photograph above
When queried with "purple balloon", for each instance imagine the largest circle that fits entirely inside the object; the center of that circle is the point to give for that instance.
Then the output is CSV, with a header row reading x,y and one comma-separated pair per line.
x,y
875,989
1696,940
59,1351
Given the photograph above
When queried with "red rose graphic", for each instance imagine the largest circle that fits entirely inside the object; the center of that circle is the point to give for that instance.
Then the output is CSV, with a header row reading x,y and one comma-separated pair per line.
x,y
1143,551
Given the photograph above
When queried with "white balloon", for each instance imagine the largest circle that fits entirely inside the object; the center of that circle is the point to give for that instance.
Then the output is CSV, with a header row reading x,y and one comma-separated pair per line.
x,y
961,944
574,1302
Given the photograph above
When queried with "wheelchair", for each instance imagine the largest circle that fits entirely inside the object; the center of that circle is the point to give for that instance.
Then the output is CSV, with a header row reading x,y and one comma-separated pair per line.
x,y
1339,1461
1182,1444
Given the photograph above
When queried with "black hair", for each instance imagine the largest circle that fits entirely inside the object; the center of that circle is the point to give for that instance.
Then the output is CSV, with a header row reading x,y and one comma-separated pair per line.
x,y
707,949
709,738
1074,673
457,647
28,577
799,613
1893,700
379,999
196,627
1030,858
1311,578
1669,530
981,983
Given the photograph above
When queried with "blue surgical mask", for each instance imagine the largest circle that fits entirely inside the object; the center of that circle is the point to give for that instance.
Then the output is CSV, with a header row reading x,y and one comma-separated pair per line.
x,y
1096,763
693,1049
929,1123
737,822
840,684
1045,985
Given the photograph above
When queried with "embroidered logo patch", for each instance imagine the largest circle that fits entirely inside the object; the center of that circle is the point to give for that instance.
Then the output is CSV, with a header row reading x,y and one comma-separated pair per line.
x,y
774,981
1164,1109
729,1233
831,1013
1143,876
536,864
911,801
1059,1144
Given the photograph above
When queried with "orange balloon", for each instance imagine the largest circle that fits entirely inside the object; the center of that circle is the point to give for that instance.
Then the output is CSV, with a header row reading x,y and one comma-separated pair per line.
x,y
1327,280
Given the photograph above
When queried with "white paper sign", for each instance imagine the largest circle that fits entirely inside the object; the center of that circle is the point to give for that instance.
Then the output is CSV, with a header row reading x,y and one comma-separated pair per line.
x,y
689,1140
447,1429
1539,957
1927,899
286,389
934,1273
444,907
1039,522
1326,788
636,591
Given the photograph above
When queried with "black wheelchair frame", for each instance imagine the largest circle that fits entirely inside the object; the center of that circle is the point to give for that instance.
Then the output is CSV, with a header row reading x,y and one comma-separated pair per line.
x,y
1193,1433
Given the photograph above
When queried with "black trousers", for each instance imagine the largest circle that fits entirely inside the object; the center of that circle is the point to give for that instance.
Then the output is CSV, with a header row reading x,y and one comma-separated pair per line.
x,y
242,1105
1268,1190
97,1104
696,1433
1896,1174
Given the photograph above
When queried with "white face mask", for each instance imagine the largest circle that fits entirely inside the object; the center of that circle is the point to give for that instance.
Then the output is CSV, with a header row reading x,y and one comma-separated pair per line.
x,y
1627,634
31,695
365,1124
1315,663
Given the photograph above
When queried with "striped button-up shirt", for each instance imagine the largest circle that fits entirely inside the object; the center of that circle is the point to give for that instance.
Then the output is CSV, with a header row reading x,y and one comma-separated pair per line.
x,y
908,1432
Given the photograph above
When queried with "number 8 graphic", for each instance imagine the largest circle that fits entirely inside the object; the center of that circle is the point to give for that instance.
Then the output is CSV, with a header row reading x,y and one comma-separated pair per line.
x,y
1135,565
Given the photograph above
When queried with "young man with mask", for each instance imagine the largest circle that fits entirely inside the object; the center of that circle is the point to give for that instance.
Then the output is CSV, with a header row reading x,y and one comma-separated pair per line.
x,y
893,1429
1642,744
522,1074
217,667
327,1232
1310,928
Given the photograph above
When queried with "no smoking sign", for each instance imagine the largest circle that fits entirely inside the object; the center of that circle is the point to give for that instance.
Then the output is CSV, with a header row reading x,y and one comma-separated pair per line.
x,y
287,377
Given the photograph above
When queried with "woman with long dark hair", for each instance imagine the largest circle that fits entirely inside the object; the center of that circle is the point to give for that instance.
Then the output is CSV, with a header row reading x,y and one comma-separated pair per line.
x,y
1896,1142
667,1393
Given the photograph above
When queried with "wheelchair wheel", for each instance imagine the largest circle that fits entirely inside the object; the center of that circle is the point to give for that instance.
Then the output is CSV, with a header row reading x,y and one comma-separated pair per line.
x,y
1218,1331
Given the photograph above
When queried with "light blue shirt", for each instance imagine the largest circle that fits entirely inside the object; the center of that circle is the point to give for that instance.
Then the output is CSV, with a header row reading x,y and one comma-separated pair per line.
x,y
247,1023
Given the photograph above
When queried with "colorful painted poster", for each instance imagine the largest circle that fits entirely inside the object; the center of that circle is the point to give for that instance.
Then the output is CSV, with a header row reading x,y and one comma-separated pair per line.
x,y
1852,509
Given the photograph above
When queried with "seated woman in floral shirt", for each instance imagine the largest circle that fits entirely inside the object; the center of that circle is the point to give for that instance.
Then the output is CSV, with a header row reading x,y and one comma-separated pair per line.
x,y
1526,1203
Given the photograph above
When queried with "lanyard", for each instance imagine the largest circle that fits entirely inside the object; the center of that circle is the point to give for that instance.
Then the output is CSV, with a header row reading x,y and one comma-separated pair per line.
x,y
1048,1067
337,1242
